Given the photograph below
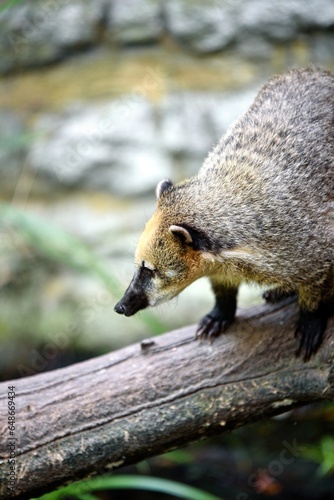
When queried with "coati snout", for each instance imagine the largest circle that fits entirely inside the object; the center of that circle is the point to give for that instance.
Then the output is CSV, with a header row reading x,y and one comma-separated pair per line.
x,y
259,210
135,297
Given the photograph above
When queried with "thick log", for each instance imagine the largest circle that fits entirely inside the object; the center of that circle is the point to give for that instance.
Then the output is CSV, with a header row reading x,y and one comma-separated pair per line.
x,y
146,399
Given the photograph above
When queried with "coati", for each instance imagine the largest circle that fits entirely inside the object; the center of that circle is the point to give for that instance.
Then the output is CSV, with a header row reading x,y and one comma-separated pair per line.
x,y
260,209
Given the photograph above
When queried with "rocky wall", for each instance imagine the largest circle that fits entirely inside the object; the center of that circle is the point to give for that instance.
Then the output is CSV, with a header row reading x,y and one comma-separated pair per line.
x,y
37,32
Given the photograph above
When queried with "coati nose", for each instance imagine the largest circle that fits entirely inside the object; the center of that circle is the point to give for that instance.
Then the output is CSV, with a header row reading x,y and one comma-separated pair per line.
x,y
119,308
132,301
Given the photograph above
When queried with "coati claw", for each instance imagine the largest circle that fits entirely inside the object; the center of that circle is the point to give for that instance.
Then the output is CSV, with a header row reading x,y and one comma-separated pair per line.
x,y
310,330
210,327
221,316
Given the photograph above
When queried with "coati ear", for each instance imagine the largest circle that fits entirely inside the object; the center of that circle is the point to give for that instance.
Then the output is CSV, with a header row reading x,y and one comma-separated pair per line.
x,y
196,238
162,186
182,233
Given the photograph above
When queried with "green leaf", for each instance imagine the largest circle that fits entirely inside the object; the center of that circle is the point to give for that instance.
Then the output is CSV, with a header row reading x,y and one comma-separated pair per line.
x,y
87,496
173,488
327,451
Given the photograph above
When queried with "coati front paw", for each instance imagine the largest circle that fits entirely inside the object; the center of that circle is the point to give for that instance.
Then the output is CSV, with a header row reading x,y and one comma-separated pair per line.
x,y
310,331
211,326
221,316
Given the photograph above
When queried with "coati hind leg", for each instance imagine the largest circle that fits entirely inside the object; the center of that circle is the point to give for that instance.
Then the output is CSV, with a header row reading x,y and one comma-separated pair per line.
x,y
222,315
310,329
277,294
312,323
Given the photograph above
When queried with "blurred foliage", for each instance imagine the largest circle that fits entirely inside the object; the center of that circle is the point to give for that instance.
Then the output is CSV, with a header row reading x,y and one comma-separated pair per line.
x,y
17,142
57,245
322,453
8,4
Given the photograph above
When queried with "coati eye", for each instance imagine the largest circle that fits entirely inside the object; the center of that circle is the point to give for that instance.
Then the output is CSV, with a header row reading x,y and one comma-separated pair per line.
x,y
147,266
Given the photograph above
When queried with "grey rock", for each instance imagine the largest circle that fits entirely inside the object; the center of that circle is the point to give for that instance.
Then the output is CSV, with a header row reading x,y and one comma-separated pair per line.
x,y
276,20
186,123
129,171
228,107
322,48
203,27
319,14
253,46
121,146
111,146
39,31
210,26
192,122
134,21
283,19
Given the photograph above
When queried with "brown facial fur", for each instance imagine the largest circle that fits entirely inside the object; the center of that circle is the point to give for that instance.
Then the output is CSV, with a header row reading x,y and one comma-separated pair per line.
x,y
176,264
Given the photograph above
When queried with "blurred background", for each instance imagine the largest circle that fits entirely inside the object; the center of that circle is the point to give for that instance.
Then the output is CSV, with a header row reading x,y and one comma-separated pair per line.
x,y
99,100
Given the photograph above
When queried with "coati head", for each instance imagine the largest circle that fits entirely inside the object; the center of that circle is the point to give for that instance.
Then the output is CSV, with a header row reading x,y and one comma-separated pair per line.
x,y
170,255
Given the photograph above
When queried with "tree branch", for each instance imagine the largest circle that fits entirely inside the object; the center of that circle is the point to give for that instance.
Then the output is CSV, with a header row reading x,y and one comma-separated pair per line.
x,y
131,404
